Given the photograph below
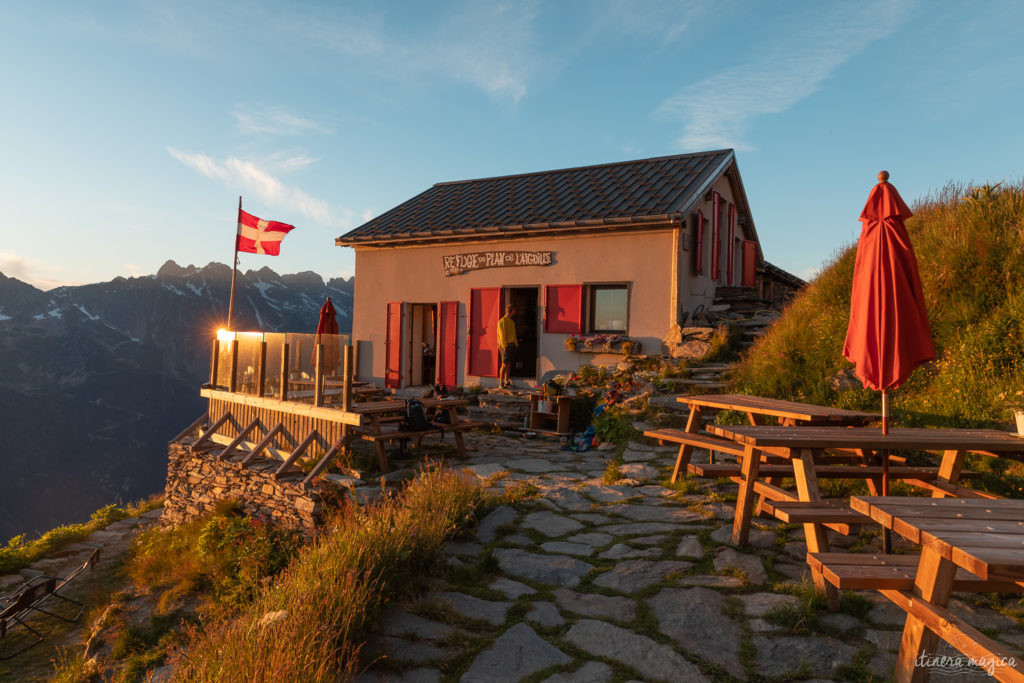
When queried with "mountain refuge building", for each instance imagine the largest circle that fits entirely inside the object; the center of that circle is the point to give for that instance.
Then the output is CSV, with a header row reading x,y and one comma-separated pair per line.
x,y
593,258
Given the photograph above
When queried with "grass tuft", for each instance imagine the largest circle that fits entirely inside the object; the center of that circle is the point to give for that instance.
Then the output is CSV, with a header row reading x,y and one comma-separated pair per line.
x,y
332,589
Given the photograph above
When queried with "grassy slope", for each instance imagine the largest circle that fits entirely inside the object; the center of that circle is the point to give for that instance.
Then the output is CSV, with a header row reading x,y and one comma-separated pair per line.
x,y
970,249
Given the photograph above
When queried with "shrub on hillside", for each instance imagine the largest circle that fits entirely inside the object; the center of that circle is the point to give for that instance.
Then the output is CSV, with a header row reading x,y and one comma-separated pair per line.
x,y
970,249
321,603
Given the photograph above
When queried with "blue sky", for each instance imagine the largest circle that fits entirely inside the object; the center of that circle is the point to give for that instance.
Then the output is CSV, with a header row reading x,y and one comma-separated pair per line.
x,y
128,129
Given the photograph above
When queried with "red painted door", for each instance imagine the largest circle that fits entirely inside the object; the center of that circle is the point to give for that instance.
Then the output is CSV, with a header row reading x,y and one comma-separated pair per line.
x,y
448,344
482,351
749,263
698,249
393,347
729,241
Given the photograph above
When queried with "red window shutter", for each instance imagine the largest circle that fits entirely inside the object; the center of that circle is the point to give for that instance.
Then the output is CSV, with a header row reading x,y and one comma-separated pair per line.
x,y
563,312
749,263
393,347
482,350
698,256
448,344
729,250
716,236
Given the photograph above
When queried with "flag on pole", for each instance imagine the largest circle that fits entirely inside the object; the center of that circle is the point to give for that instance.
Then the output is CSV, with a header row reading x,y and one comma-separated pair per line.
x,y
257,236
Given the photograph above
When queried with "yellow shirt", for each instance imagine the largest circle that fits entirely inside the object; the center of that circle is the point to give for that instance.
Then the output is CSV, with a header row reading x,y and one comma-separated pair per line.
x,y
506,332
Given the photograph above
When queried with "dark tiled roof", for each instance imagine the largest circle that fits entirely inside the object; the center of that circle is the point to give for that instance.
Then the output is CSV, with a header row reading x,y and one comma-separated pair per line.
x,y
645,190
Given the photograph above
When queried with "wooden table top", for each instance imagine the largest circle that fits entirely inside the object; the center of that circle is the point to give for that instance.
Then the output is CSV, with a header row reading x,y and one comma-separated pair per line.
x,y
804,412
985,537
395,405
974,440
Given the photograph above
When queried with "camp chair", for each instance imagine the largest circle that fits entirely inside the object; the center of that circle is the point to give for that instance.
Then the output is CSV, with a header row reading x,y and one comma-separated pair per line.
x,y
32,597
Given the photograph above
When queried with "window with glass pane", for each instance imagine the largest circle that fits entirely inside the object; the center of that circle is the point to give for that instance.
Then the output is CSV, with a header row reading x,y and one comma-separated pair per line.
x,y
608,308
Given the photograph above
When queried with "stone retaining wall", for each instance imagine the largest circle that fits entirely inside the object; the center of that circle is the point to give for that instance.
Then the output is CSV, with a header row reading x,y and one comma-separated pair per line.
x,y
196,482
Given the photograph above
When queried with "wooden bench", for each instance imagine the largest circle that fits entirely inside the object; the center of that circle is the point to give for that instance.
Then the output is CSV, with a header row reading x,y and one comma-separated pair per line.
x,y
913,474
688,441
383,437
830,513
894,575
968,640
856,571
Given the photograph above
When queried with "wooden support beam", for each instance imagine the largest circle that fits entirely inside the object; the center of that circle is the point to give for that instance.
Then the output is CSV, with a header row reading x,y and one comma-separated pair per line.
x,y
188,430
318,380
322,465
238,439
261,372
297,453
233,379
205,436
262,445
329,414
214,361
348,368
271,451
285,371
355,359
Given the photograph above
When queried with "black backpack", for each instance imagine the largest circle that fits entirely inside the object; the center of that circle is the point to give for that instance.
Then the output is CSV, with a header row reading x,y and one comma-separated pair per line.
x,y
415,417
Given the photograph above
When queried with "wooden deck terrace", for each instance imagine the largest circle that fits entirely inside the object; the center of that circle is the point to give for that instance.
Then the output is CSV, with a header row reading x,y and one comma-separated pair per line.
x,y
271,396
294,407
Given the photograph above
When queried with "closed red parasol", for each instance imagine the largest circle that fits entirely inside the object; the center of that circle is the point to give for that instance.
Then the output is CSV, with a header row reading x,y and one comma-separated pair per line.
x,y
888,335
328,325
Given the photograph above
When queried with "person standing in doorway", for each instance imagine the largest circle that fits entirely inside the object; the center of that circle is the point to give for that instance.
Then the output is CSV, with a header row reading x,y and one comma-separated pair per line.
x,y
508,344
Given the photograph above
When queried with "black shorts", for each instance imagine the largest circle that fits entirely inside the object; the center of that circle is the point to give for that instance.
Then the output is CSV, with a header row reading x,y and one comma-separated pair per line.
x,y
508,354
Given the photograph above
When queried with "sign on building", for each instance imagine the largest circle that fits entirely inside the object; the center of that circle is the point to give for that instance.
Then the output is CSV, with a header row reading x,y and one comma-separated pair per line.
x,y
457,264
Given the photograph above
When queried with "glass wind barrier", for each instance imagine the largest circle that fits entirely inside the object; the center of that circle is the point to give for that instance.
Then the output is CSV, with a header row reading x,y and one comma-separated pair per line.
x,y
261,353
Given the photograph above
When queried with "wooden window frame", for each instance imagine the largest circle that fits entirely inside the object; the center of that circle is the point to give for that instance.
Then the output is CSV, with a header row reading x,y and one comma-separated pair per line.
x,y
589,302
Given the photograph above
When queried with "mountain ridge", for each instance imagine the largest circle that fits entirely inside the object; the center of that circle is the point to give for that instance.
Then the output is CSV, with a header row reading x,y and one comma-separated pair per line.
x,y
98,377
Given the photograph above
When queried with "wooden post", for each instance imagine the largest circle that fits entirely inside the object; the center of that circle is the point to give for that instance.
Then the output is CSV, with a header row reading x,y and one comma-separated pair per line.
x,y
355,359
348,367
233,379
285,371
261,373
214,361
318,381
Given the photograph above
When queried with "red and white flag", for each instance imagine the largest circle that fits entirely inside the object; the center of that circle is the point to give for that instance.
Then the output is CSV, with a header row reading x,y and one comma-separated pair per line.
x,y
258,236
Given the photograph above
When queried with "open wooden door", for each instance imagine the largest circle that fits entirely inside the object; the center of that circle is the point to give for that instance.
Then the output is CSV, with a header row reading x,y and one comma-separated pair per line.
x,y
393,347
749,263
448,344
482,350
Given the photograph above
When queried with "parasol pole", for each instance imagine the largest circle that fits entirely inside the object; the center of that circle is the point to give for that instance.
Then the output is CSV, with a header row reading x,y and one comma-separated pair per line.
x,y
234,271
883,176
886,537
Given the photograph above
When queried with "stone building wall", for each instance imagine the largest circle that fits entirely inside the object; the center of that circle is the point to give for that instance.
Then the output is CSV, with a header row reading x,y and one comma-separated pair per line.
x,y
196,482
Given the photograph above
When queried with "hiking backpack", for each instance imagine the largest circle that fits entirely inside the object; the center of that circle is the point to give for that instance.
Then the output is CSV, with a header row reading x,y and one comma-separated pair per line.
x,y
415,417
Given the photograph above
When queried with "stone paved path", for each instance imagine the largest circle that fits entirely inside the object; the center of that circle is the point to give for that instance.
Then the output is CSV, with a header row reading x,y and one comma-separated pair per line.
x,y
590,582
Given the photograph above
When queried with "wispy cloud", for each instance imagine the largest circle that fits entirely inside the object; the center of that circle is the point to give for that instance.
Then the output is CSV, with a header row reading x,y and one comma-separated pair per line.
x,y
36,273
272,120
491,46
249,177
718,109
658,21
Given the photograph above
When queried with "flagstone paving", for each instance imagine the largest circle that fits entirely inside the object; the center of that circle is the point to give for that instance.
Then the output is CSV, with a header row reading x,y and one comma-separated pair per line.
x,y
587,581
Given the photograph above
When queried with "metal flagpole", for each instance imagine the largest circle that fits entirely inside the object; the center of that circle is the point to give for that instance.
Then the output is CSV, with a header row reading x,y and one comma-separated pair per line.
x,y
234,271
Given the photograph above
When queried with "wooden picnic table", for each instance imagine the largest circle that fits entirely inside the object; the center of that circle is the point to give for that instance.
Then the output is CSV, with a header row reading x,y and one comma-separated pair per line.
x,y
757,409
804,448
985,538
378,413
